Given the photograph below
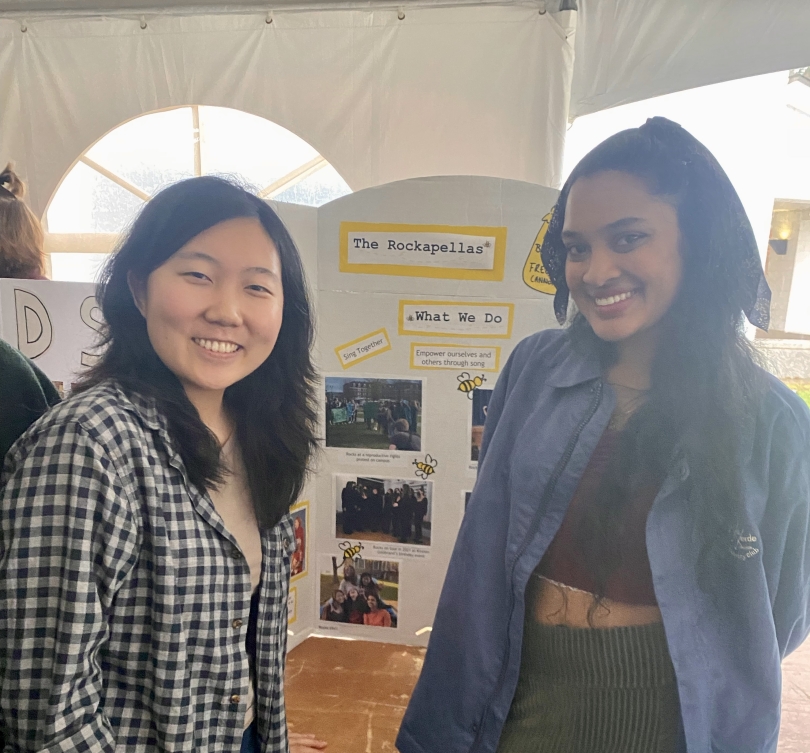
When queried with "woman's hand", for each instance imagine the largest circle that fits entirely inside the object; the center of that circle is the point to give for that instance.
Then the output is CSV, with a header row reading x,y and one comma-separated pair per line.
x,y
301,743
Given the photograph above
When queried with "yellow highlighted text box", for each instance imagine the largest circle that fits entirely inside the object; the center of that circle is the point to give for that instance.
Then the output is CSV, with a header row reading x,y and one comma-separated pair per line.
x,y
363,348
456,353
447,265
455,328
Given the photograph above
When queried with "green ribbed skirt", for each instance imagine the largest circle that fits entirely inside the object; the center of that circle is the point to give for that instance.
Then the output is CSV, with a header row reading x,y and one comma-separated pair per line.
x,y
604,690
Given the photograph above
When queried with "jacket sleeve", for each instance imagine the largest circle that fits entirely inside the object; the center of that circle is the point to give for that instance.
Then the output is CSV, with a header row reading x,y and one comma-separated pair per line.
x,y
67,540
789,500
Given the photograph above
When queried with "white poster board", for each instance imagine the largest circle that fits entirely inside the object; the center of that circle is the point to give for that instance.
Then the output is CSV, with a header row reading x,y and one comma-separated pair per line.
x,y
421,299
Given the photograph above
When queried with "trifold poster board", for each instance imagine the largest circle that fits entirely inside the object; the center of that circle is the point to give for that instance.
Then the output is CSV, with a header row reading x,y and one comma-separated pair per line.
x,y
422,289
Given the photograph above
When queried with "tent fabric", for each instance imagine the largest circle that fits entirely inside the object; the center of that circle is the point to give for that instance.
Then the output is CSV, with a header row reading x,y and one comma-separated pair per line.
x,y
446,90
629,50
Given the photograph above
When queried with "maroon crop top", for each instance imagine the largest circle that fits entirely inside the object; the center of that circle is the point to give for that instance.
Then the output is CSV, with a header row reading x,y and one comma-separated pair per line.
x,y
563,562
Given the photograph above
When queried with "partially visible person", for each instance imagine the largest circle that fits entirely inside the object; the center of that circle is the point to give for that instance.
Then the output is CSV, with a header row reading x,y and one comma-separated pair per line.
x,y
22,242
335,609
347,503
387,511
25,394
356,606
420,509
375,509
376,616
406,510
369,586
349,578
403,438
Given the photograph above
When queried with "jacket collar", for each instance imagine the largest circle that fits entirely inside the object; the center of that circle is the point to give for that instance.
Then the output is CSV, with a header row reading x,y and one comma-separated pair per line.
x,y
572,366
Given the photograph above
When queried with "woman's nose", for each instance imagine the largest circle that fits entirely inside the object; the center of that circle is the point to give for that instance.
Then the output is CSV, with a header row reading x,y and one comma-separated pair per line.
x,y
601,268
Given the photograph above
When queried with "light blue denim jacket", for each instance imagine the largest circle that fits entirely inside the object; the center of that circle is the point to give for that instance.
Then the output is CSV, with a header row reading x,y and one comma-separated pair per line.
x,y
546,415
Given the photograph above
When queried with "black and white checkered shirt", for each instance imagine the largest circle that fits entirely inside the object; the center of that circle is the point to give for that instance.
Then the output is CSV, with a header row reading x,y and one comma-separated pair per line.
x,y
124,601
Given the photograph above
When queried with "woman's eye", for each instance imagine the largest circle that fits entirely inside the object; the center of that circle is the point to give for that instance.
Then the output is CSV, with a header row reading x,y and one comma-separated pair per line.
x,y
259,289
196,275
629,241
575,252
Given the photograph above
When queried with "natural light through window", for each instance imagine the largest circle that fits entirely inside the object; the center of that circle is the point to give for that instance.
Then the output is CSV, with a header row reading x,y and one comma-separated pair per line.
x,y
104,190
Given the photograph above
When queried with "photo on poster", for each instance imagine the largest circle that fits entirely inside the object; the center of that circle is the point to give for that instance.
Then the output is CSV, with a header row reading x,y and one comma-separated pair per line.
x,y
383,510
368,413
359,591
478,407
298,561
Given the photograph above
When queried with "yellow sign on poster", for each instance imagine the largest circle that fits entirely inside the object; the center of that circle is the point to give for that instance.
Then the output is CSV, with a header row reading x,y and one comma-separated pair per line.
x,y
443,251
534,273
363,347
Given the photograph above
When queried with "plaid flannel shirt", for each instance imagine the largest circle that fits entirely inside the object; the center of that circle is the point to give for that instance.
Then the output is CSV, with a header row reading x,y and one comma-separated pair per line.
x,y
124,601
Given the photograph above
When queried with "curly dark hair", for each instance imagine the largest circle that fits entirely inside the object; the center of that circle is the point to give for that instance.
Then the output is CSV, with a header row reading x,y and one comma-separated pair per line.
x,y
706,385
272,407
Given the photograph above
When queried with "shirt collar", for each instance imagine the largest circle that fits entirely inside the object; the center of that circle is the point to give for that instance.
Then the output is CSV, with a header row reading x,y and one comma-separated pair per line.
x,y
572,366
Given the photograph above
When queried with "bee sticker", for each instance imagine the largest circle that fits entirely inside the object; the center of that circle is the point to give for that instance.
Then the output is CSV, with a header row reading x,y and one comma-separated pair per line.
x,y
350,551
467,384
425,467
534,273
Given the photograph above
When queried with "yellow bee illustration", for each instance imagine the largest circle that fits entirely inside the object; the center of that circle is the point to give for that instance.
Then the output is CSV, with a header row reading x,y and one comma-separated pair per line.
x,y
468,384
350,551
425,467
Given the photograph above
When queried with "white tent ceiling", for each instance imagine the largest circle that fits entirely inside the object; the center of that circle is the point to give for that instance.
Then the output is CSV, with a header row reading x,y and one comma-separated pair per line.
x,y
456,86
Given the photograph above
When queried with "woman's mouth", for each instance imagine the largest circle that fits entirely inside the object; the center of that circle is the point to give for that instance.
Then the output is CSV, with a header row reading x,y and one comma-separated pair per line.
x,y
216,346
614,299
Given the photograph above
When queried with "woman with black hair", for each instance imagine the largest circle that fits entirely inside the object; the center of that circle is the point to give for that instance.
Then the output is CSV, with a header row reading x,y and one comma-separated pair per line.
x,y
636,562
146,534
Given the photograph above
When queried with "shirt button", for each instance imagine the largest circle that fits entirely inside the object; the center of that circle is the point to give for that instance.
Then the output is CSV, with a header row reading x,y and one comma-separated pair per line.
x,y
237,623
236,554
235,698
286,543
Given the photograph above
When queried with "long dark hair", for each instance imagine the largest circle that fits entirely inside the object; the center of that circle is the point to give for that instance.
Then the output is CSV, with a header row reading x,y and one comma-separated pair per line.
x,y
706,384
273,406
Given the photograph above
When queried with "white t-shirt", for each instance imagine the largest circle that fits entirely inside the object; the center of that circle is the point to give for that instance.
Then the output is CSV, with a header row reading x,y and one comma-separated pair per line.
x,y
232,501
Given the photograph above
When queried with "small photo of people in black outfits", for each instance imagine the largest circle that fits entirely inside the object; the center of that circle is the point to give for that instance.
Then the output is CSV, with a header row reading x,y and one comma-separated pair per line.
x,y
387,510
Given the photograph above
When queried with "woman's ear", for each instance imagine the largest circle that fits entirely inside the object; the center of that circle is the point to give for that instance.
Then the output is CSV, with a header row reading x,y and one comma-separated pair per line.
x,y
138,290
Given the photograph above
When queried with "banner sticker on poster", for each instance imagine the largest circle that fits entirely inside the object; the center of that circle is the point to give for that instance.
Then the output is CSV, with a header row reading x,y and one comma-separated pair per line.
x,y
454,357
534,273
454,318
443,251
363,348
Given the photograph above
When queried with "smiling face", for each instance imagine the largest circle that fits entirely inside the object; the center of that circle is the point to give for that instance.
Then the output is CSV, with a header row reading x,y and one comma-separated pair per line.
x,y
213,310
623,264
372,603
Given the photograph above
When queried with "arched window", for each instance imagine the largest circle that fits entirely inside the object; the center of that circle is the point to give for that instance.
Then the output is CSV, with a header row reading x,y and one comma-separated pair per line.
x,y
102,192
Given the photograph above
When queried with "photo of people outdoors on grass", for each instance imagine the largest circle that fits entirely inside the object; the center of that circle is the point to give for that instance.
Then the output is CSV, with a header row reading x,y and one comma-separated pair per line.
x,y
383,509
479,403
374,414
359,592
